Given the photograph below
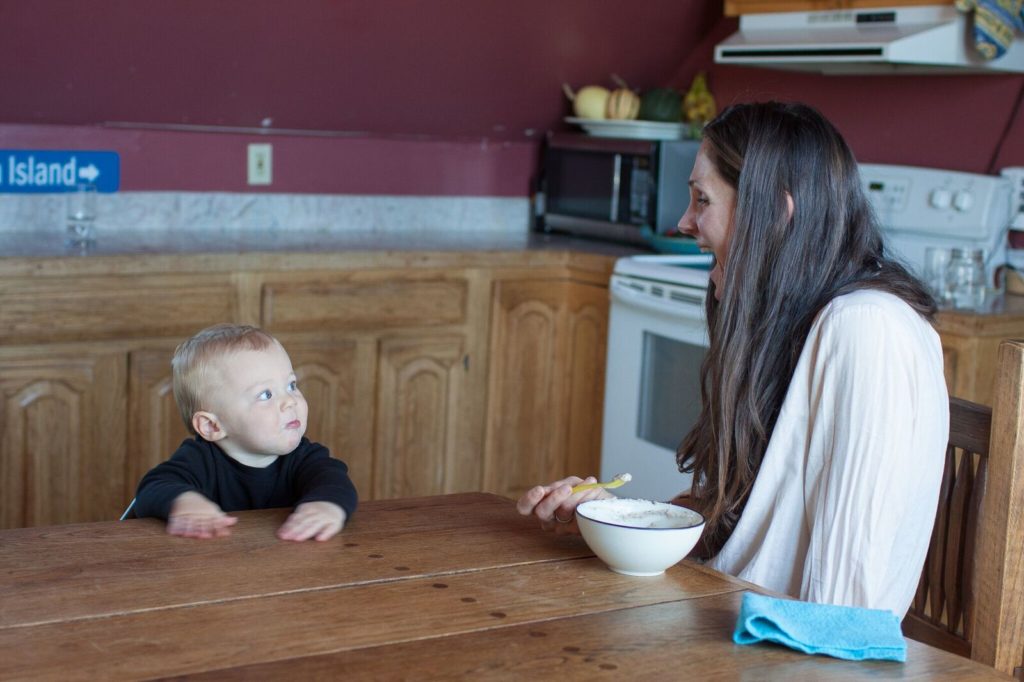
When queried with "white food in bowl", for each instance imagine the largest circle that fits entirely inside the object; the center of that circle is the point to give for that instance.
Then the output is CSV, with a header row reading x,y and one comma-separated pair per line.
x,y
638,537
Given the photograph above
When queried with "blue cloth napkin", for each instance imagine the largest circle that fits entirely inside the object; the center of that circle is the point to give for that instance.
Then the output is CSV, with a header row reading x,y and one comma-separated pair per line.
x,y
847,632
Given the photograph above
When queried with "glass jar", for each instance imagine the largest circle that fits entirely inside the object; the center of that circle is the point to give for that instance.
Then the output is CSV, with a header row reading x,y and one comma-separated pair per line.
x,y
965,279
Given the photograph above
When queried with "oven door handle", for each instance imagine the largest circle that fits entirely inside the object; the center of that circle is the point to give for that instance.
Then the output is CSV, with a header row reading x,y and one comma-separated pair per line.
x,y
692,309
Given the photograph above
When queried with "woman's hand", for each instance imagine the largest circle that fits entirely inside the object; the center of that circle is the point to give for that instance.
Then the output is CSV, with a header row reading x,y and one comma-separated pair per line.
x,y
555,504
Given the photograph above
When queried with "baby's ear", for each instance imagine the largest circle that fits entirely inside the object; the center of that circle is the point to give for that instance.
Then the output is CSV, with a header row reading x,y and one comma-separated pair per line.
x,y
207,425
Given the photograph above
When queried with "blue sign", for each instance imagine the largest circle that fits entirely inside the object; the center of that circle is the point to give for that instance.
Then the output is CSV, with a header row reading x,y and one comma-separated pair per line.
x,y
47,171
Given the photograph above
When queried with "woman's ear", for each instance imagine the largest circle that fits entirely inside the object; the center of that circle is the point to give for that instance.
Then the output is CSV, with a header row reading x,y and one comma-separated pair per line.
x,y
208,426
789,207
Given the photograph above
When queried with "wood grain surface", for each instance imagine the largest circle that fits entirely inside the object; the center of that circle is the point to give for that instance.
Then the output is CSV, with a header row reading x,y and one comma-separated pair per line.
x,y
454,586
119,567
687,640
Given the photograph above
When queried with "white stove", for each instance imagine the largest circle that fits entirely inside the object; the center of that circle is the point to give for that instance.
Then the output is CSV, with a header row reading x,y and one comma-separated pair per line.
x,y
657,337
924,207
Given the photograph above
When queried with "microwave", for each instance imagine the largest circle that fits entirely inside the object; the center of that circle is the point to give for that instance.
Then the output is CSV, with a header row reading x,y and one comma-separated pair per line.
x,y
611,188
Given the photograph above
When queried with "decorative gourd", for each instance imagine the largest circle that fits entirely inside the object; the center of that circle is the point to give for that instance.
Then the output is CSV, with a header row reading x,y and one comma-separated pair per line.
x,y
661,104
623,104
699,104
590,101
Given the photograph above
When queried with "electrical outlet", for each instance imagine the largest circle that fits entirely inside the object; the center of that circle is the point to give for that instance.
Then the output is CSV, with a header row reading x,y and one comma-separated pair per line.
x,y
260,164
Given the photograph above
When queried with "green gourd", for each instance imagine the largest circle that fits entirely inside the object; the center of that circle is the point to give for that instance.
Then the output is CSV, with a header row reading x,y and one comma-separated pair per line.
x,y
661,104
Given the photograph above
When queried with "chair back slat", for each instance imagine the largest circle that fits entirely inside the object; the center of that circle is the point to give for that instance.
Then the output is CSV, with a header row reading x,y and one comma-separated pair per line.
x,y
956,533
932,584
970,546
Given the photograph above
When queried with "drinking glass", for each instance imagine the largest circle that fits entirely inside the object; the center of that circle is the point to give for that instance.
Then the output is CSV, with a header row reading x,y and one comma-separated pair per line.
x,y
81,216
936,264
965,279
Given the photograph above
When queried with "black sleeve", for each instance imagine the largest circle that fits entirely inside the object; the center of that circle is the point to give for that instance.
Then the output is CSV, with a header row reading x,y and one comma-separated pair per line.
x,y
318,477
185,471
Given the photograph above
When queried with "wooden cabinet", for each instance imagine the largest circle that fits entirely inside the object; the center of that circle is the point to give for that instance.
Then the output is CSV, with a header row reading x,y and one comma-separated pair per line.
x,y
969,347
335,374
547,382
86,390
154,425
395,401
426,373
62,435
422,418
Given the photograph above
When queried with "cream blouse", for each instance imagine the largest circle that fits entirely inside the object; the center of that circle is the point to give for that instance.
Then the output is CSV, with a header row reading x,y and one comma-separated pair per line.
x,y
842,508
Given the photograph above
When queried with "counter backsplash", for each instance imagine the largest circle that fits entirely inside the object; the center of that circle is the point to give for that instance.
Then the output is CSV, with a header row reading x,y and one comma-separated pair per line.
x,y
228,212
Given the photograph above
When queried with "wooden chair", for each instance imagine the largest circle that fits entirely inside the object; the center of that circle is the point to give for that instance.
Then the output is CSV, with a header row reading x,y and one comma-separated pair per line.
x,y
971,596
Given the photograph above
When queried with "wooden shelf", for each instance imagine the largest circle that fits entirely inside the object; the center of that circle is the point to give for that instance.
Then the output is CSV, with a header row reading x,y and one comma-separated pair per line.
x,y
734,8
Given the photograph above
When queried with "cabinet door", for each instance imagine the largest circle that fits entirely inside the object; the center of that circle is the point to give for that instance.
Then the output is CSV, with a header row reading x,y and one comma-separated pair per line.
x,y
62,435
422,428
155,427
585,362
336,377
546,389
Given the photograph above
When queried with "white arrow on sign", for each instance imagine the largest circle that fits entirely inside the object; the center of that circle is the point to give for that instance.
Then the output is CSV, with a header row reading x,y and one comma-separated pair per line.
x,y
89,173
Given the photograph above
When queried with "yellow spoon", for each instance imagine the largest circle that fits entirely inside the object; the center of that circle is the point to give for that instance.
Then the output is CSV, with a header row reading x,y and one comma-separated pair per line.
x,y
618,480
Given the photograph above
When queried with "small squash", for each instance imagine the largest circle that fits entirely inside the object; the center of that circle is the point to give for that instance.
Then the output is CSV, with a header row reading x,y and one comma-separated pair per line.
x,y
661,104
623,104
699,104
590,101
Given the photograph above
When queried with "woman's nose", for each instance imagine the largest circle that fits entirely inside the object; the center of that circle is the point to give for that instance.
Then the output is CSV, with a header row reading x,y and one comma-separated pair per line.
x,y
685,224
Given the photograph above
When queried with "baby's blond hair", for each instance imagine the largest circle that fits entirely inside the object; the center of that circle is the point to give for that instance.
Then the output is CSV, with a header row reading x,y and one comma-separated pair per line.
x,y
193,358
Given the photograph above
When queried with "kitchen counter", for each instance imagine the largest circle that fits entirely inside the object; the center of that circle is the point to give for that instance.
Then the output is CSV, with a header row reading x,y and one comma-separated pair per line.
x,y
31,254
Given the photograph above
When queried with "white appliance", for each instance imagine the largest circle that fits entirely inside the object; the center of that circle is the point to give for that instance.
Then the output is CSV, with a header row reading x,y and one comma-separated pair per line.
x,y
657,337
920,39
657,332
1014,252
922,207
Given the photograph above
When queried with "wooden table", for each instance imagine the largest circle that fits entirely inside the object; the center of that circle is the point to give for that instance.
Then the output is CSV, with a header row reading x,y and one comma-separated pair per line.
x,y
454,586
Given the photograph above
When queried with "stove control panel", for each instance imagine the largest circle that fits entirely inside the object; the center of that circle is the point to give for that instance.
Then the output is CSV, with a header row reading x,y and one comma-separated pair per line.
x,y
936,202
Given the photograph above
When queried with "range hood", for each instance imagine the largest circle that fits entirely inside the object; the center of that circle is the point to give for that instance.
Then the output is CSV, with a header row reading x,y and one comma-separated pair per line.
x,y
919,39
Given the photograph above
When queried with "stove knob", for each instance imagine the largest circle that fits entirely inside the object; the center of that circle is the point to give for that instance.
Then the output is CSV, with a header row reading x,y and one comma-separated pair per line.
x,y
940,198
963,200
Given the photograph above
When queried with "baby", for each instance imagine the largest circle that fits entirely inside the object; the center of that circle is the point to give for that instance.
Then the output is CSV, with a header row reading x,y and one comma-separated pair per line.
x,y
236,391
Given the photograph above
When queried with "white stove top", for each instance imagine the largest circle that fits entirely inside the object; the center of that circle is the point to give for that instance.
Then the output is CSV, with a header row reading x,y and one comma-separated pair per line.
x,y
689,271
923,207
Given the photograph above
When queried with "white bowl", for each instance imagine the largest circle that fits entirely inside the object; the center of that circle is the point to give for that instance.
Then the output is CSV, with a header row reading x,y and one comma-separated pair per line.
x,y
638,537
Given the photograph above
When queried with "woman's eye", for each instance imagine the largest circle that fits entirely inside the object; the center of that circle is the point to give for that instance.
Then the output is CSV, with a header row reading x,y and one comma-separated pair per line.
x,y
702,200
266,395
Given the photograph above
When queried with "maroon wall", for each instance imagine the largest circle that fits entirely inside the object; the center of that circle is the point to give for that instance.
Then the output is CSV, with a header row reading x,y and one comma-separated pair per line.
x,y
416,96
377,96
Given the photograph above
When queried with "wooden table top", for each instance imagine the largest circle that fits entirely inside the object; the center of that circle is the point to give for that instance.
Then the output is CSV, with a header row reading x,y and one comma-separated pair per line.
x,y
452,586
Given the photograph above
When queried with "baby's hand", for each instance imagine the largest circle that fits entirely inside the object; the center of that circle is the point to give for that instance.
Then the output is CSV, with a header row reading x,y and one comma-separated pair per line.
x,y
194,516
319,520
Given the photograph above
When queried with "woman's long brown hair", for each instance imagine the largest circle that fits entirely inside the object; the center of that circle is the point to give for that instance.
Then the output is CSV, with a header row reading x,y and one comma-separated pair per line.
x,y
779,273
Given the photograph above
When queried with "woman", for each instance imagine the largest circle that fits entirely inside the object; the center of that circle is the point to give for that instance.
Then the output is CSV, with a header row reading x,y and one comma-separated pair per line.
x,y
819,450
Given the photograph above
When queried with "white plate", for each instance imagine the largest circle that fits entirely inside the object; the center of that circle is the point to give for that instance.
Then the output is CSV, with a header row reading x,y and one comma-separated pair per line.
x,y
642,130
